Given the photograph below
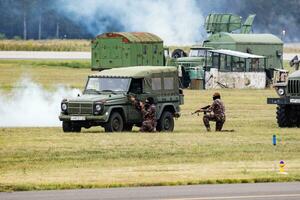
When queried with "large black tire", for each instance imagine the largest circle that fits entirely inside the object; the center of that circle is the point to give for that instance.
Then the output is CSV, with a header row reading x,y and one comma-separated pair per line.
x,y
66,126
115,123
166,122
69,127
282,115
177,53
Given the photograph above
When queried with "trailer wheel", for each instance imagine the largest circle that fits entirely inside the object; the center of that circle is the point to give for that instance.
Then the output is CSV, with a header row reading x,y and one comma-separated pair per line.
x,y
283,116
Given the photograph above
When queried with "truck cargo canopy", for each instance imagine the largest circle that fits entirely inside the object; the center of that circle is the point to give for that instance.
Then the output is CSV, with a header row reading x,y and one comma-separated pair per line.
x,y
133,37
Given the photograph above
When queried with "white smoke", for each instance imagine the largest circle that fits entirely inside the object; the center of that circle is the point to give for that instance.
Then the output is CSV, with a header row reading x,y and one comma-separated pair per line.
x,y
175,21
30,105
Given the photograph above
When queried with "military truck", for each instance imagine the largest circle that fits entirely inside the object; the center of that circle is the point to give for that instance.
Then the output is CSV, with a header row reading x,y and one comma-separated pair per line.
x,y
105,101
288,103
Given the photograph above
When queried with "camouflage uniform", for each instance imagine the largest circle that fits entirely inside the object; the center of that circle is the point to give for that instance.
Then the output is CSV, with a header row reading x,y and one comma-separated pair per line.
x,y
149,116
216,113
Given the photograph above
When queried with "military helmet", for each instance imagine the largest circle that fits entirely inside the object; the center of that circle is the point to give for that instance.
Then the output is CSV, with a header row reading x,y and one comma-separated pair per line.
x,y
216,94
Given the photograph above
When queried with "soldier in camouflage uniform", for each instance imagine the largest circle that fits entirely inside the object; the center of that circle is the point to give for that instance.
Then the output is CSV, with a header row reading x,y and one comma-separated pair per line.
x,y
148,110
215,112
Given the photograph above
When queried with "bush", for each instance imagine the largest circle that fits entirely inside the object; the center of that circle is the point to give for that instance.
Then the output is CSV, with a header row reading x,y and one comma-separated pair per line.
x,y
17,37
2,36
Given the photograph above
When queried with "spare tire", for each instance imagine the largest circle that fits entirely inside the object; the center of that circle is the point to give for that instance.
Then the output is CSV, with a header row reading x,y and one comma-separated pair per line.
x,y
177,53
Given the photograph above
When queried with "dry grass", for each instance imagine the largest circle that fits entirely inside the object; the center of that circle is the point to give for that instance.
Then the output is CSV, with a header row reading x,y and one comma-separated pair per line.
x,y
45,45
47,158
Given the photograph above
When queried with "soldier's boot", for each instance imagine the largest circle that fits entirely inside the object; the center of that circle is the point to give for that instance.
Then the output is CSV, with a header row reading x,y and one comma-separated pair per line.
x,y
219,125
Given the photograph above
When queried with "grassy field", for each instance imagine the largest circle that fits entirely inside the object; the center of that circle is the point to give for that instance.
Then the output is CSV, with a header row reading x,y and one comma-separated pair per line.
x,y
85,45
45,45
47,158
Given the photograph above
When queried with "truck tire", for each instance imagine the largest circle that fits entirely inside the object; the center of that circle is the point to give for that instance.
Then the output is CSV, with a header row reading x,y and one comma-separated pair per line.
x,y
282,116
166,122
69,127
177,53
115,123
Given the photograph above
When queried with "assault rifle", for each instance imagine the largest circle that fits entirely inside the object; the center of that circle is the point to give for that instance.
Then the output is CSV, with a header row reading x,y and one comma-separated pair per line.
x,y
203,109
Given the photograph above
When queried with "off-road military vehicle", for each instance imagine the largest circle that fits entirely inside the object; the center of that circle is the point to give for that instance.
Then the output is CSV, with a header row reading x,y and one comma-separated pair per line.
x,y
105,101
288,103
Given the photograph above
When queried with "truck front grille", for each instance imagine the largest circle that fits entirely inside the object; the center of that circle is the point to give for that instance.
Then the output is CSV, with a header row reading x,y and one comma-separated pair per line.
x,y
294,87
80,108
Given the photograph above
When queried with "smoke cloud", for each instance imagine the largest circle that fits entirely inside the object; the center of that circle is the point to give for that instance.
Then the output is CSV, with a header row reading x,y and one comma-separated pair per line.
x,y
30,105
175,21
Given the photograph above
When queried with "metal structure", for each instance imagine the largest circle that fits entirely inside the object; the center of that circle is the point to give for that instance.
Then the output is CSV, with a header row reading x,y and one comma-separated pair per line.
x,y
288,103
122,49
105,99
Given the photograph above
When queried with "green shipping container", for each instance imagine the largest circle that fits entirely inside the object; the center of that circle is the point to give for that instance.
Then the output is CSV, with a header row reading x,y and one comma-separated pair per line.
x,y
122,49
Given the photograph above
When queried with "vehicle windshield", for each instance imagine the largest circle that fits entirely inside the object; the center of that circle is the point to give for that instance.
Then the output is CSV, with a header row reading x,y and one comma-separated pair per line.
x,y
197,53
100,84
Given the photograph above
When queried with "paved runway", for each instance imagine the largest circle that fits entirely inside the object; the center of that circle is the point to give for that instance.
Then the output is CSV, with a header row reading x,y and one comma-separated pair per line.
x,y
258,191
67,55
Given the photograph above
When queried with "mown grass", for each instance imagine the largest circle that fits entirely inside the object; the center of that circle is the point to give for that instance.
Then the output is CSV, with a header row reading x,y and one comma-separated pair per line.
x,y
45,45
47,158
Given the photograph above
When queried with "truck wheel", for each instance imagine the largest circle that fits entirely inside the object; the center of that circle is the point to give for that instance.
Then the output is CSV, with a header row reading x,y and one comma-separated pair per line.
x,y
166,122
128,127
282,116
76,129
177,53
67,127
115,123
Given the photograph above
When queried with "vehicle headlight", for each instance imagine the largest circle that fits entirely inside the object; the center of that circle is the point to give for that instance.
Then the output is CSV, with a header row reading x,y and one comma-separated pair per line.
x,y
64,107
281,91
98,107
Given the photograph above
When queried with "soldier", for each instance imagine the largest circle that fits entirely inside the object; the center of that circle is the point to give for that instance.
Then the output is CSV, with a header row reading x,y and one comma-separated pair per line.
x,y
148,110
215,112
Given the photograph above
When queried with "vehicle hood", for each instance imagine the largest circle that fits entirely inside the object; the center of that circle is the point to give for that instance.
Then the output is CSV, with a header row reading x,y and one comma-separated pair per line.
x,y
105,98
295,75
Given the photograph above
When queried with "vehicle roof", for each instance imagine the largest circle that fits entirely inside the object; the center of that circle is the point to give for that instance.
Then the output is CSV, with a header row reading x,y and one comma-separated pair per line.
x,y
198,46
135,71
134,37
236,53
251,38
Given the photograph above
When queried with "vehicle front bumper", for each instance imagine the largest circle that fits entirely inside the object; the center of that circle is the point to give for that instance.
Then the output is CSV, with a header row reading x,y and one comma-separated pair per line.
x,y
97,118
284,101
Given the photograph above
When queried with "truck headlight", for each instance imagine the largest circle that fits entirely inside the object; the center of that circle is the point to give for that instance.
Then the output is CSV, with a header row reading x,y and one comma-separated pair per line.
x,y
64,107
98,107
280,91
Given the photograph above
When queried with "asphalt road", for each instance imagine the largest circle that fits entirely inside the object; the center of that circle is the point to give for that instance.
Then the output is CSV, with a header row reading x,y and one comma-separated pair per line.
x,y
66,55
258,191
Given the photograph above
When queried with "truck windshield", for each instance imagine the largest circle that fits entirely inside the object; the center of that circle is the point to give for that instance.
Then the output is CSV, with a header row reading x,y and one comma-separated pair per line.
x,y
99,84
197,53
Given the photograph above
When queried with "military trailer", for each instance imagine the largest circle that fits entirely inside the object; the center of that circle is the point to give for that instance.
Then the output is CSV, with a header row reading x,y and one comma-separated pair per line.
x,y
105,101
122,49
288,103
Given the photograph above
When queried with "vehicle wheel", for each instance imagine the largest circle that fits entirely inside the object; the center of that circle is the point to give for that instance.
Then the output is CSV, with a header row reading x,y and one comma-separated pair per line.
x,y
177,53
67,127
166,122
283,116
115,123
128,127
76,129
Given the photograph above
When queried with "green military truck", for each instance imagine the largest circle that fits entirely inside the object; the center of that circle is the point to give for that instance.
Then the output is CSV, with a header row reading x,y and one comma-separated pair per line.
x,y
105,101
288,103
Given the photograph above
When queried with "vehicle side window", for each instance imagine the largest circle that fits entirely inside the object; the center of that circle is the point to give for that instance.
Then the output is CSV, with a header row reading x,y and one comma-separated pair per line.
x,y
169,83
136,86
156,83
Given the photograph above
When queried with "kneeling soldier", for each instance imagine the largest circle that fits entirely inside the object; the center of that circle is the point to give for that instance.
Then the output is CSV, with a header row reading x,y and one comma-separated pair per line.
x,y
215,112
